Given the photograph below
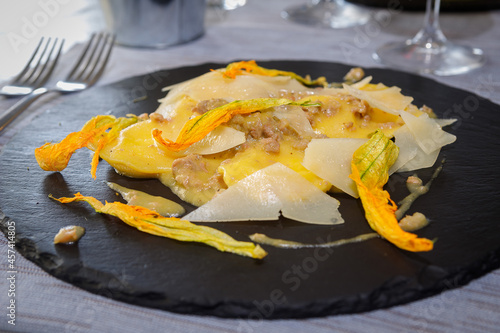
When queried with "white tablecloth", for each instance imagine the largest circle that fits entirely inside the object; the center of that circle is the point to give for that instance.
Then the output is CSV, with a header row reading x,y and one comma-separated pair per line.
x,y
254,31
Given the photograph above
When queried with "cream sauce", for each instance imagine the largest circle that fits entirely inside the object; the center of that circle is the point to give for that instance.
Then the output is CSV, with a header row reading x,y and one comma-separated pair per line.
x,y
408,223
413,222
414,185
285,244
162,206
69,234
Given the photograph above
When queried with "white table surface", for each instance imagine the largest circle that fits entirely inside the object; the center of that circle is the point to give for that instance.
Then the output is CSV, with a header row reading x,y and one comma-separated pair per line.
x,y
254,31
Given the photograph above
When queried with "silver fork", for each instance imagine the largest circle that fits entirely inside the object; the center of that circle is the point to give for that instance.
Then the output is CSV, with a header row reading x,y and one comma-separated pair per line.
x,y
37,70
85,73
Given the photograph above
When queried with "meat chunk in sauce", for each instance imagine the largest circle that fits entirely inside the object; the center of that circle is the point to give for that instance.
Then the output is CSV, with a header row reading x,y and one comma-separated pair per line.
x,y
191,172
354,75
186,170
209,104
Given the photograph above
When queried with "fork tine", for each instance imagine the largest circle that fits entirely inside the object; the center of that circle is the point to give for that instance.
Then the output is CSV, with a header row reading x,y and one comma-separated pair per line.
x,y
91,57
44,74
80,59
100,63
35,70
101,54
28,64
33,67
92,63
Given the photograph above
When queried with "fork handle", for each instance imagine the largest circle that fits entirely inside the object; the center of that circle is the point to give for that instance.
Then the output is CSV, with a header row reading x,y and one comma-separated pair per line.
x,y
16,109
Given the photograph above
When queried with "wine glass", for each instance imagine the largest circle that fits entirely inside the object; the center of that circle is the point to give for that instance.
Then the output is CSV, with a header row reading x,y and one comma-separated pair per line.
x,y
327,14
429,51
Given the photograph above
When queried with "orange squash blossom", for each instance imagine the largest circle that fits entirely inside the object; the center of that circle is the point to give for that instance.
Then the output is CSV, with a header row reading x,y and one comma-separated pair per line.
x,y
370,166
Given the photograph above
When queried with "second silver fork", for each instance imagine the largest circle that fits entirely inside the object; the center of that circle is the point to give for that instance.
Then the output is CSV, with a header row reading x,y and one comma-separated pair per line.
x,y
85,73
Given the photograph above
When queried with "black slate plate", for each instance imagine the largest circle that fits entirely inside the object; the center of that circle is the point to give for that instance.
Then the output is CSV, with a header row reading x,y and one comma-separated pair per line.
x,y
122,263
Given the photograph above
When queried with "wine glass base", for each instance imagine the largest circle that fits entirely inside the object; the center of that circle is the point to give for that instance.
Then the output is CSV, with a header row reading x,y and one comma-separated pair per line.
x,y
327,14
442,59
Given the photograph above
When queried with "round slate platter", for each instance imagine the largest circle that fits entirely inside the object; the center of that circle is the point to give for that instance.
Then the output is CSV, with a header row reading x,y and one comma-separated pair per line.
x,y
122,263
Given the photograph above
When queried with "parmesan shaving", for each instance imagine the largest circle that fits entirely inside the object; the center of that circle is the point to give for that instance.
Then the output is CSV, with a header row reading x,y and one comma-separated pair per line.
x,y
214,85
220,139
421,160
444,122
296,118
428,134
408,148
331,159
389,100
411,155
362,83
273,189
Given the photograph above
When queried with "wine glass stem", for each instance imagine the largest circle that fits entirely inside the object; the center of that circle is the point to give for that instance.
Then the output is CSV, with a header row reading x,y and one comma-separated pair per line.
x,y
331,2
431,34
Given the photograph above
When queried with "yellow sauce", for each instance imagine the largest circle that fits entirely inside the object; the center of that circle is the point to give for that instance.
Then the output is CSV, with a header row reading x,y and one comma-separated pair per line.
x,y
413,222
69,234
162,206
285,244
408,223
414,185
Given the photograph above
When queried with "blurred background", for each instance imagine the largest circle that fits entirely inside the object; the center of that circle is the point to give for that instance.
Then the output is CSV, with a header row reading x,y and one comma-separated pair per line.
x,y
22,23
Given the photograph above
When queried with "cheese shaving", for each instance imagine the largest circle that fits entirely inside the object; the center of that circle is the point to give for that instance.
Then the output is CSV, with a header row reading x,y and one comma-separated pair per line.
x,y
273,189
389,100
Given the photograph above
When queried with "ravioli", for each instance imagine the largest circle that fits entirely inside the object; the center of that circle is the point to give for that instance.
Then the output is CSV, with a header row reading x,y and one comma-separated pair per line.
x,y
263,120
250,143
280,134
